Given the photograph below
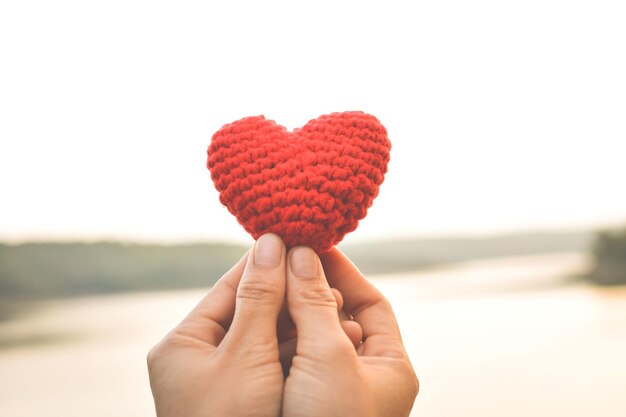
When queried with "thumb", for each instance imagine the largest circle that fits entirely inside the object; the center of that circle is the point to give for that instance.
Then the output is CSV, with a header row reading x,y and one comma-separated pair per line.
x,y
260,295
312,305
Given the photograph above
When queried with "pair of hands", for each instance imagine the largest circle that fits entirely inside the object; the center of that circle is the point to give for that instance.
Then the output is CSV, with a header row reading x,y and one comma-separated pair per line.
x,y
244,351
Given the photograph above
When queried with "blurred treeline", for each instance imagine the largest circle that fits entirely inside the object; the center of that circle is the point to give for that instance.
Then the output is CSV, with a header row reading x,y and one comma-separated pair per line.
x,y
609,250
40,270
64,269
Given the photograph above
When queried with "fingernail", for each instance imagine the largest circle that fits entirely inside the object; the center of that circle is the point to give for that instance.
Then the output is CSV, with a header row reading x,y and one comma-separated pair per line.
x,y
268,251
304,262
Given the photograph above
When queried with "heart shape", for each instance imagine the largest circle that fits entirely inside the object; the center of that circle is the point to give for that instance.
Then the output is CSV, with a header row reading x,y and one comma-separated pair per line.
x,y
310,186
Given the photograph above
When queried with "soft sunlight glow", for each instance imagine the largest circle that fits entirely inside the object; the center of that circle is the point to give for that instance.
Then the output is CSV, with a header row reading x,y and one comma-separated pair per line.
x,y
497,124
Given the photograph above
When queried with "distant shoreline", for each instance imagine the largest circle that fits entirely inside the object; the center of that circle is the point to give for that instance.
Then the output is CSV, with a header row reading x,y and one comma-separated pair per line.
x,y
40,270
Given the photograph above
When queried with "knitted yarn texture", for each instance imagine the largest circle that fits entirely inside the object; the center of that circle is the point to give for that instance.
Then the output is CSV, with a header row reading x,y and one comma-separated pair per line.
x,y
310,186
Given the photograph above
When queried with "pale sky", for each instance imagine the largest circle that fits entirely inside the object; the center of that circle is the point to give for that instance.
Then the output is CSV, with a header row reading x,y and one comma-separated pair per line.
x,y
503,115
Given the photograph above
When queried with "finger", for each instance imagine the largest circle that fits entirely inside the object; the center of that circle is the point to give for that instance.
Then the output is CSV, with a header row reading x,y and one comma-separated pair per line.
x,y
211,318
311,304
287,348
260,294
286,328
338,298
366,304
354,331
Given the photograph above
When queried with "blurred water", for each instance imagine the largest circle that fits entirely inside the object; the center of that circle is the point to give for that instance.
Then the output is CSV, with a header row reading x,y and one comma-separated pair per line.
x,y
488,338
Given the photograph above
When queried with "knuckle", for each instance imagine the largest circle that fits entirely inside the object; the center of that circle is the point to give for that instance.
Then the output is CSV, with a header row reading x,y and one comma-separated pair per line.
x,y
168,348
162,350
154,355
416,385
411,378
151,358
413,381
254,289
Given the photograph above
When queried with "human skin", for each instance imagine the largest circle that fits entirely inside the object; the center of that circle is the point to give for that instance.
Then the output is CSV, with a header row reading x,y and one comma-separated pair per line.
x,y
230,355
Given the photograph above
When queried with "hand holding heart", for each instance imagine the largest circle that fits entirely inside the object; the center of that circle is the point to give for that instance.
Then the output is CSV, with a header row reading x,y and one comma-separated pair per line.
x,y
231,356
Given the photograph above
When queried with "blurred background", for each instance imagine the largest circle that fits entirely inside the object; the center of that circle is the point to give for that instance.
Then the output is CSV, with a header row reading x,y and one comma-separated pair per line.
x,y
498,234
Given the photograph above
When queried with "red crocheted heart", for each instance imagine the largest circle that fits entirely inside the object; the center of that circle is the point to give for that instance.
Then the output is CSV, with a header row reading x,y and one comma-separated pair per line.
x,y
310,186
